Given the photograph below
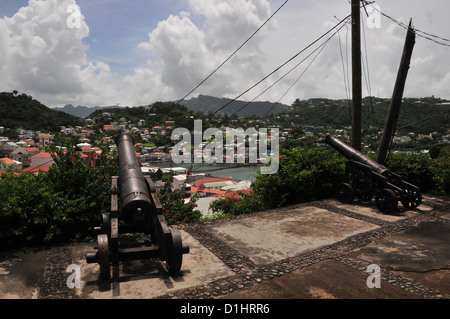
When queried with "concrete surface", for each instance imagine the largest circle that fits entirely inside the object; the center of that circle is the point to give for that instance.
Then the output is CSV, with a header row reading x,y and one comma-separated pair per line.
x,y
318,250
273,237
132,279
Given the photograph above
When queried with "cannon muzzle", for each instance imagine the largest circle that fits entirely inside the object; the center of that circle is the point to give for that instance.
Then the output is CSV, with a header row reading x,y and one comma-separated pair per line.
x,y
351,154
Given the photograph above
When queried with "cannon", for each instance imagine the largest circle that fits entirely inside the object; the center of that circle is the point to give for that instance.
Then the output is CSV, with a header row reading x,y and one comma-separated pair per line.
x,y
366,178
140,212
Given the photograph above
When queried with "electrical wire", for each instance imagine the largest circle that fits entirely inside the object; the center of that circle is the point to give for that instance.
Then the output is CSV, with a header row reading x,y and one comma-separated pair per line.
x,y
426,35
281,66
345,70
286,74
366,71
240,47
304,71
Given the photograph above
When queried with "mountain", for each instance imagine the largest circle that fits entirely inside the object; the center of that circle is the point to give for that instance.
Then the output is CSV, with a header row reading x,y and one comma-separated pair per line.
x,y
202,103
205,104
22,111
81,111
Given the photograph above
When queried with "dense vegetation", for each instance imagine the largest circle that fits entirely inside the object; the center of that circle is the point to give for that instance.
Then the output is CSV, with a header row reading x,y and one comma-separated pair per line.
x,y
313,173
153,115
421,116
207,104
63,204
22,111
66,203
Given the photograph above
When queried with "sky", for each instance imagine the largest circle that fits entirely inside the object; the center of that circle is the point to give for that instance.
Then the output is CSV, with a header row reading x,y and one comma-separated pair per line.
x,y
137,52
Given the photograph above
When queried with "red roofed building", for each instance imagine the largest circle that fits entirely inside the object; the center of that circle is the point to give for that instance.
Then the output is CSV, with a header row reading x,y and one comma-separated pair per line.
x,y
42,159
6,162
36,170
208,180
32,150
109,127
208,192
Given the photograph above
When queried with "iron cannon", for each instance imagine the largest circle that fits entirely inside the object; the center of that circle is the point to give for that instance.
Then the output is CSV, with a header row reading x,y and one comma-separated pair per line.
x,y
140,212
366,178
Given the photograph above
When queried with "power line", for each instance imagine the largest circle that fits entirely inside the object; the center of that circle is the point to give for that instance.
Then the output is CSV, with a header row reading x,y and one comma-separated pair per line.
x,y
345,70
367,75
304,71
419,33
240,47
281,66
286,74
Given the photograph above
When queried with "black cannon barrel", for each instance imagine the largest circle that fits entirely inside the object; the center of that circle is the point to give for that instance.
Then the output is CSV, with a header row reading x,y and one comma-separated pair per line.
x,y
351,154
134,193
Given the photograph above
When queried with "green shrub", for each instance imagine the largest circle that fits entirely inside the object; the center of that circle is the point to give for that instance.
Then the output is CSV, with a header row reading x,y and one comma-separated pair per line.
x,y
414,167
61,205
175,210
304,174
441,173
233,206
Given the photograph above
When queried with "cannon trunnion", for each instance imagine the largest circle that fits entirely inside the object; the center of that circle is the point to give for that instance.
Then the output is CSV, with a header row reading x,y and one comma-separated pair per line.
x,y
365,178
140,212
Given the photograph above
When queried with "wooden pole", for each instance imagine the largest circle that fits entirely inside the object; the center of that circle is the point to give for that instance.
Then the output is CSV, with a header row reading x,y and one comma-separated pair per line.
x,y
397,96
356,75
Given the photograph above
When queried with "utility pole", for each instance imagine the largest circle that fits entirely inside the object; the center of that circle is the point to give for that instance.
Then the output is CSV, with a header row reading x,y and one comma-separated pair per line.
x,y
356,75
397,95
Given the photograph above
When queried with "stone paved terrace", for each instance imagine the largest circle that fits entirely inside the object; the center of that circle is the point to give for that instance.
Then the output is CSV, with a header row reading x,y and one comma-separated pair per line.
x,y
314,250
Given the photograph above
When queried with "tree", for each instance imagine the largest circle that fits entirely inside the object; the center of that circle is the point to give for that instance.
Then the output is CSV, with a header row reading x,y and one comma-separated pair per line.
x,y
175,210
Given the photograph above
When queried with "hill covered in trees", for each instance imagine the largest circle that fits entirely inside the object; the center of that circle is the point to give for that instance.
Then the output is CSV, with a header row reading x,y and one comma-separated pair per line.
x,y
205,104
81,111
421,116
22,111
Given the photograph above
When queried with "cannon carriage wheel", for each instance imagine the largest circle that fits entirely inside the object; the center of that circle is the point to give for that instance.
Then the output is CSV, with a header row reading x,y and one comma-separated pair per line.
x,y
412,198
104,256
386,200
345,193
175,257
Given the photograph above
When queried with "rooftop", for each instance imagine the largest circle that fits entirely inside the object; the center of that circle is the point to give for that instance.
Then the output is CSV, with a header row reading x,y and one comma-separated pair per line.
x,y
35,169
42,155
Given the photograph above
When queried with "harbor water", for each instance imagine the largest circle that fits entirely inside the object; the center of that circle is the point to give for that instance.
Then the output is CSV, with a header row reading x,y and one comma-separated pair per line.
x,y
238,172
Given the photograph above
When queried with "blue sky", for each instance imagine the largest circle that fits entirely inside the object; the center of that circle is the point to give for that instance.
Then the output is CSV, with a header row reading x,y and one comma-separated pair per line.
x,y
140,51
115,27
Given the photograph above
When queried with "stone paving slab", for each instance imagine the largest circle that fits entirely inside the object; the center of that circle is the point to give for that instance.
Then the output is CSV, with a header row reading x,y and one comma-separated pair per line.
x,y
312,251
369,209
420,249
20,274
324,280
148,278
274,237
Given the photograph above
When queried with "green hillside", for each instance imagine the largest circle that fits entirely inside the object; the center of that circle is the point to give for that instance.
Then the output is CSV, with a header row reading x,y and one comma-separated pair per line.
x,y
422,116
22,111
205,104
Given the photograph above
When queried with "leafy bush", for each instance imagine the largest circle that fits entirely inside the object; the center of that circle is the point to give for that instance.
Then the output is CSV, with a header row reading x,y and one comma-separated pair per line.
x,y
414,167
175,210
63,204
441,173
304,174
232,206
